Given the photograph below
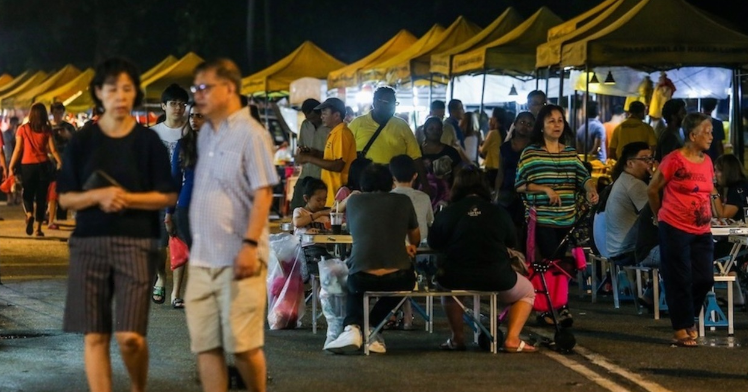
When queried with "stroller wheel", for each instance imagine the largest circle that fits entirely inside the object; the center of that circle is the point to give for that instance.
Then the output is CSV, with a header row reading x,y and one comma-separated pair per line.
x,y
565,340
484,341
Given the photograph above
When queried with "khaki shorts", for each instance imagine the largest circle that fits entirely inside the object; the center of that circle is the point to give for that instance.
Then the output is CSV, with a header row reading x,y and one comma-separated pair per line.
x,y
223,312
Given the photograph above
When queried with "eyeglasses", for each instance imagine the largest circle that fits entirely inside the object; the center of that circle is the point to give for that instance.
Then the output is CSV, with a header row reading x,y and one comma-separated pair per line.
x,y
199,88
196,115
384,102
646,159
176,104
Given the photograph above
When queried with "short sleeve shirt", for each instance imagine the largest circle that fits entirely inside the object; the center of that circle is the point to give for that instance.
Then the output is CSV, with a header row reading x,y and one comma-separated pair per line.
x,y
395,139
316,138
632,130
235,161
318,223
340,145
597,131
422,204
686,201
168,136
627,197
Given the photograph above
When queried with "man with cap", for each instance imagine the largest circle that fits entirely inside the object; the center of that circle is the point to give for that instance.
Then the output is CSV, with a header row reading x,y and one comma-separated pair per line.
x,y
311,141
339,151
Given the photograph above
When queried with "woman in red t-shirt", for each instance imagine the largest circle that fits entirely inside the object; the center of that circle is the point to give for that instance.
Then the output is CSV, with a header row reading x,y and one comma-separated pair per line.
x,y
33,144
685,178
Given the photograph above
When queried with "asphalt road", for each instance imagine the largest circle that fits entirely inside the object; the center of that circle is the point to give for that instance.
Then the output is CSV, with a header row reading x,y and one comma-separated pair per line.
x,y
617,350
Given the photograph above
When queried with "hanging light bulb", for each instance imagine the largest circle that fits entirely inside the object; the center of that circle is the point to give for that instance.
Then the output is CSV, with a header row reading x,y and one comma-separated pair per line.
x,y
594,79
609,79
513,90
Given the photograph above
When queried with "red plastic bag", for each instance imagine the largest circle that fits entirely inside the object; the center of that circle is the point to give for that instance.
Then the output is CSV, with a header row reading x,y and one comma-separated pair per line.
x,y
7,185
178,252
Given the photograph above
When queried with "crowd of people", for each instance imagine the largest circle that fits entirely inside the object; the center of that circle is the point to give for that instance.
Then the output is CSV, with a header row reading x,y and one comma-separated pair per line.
x,y
205,175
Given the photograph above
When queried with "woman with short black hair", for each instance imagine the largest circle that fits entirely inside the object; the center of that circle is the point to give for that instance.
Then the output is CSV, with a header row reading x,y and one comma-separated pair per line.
x,y
113,249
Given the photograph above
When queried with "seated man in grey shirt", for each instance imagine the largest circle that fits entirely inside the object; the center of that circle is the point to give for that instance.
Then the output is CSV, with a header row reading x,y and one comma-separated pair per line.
x,y
627,198
378,221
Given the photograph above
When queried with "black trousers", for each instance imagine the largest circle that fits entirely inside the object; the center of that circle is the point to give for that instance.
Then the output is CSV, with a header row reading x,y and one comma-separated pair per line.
x,y
360,282
36,178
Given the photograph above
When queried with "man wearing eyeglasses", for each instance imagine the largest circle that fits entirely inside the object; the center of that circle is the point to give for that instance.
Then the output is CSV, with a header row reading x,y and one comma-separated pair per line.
x,y
396,137
628,197
173,102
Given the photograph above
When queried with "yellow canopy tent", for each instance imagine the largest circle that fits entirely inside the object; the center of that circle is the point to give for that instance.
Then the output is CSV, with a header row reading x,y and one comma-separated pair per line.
x,y
17,81
413,64
374,73
549,53
506,22
29,83
308,60
62,77
163,64
513,53
79,102
67,90
5,79
579,20
640,39
349,76
180,73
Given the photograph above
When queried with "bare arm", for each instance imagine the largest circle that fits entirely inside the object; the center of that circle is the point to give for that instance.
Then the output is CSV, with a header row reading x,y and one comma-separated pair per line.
x,y
17,151
333,166
150,200
304,220
414,236
53,151
425,186
653,192
720,210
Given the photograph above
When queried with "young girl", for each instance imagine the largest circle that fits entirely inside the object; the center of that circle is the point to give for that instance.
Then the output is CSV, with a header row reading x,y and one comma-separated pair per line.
x,y
311,219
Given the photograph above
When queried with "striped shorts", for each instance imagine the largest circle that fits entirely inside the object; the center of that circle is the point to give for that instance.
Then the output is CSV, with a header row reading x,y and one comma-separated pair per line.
x,y
106,268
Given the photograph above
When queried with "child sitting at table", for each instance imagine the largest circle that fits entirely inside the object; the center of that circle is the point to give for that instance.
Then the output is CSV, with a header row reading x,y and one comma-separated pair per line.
x,y
312,219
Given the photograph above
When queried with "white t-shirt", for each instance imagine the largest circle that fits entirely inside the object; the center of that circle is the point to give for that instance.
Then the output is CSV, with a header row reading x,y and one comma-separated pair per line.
x,y
422,204
168,136
471,148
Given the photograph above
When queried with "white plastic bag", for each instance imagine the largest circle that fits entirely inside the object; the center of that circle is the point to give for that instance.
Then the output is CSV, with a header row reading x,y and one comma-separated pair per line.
x,y
285,287
333,275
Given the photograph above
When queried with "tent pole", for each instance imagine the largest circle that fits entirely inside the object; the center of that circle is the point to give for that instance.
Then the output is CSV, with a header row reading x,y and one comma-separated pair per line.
x,y
561,87
547,78
267,110
736,118
483,92
431,88
586,120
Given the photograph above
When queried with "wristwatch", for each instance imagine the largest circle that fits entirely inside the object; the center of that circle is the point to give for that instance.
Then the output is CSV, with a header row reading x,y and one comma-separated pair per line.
x,y
250,242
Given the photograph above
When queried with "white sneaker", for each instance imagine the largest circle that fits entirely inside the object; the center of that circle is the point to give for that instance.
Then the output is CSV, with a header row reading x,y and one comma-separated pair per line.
x,y
348,342
377,345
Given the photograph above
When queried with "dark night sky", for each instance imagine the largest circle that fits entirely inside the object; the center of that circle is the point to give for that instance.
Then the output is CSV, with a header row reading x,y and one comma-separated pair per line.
x,y
47,34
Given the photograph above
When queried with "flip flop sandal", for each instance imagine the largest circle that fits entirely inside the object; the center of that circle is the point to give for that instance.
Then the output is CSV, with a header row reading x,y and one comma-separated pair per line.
x,y
159,295
177,303
523,348
449,345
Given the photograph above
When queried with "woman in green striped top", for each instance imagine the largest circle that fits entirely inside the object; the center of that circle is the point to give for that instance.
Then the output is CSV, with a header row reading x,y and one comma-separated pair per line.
x,y
550,174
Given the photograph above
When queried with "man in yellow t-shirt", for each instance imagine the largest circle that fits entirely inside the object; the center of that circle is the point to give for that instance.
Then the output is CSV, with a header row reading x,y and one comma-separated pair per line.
x,y
340,148
396,137
634,129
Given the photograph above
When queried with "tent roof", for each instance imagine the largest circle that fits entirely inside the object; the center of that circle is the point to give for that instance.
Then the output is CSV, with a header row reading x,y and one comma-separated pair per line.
x,y
376,73
348,76
506,22
512,53
63,76
79,102
15,82
641,39
5,79
579,20
549,53
414,63
29,83
162,65
179,72
61,93
308,60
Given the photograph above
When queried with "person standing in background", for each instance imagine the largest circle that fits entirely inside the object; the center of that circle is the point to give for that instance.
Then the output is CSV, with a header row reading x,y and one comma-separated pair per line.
x,y
62,132
616,118
173,102
312,140
717,147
